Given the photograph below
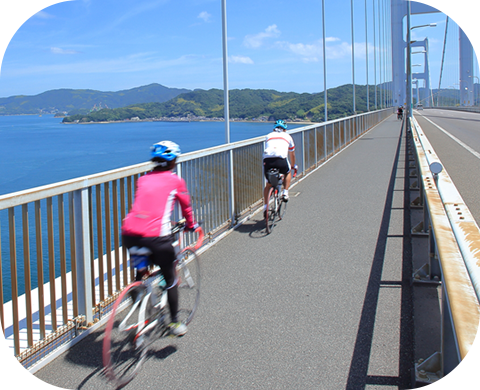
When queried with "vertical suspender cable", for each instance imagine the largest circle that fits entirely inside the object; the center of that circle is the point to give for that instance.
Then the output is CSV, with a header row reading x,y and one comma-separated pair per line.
x,y
374,53
443,62
380,44
325,98
388,65
225,73
366,54
353,58
226,110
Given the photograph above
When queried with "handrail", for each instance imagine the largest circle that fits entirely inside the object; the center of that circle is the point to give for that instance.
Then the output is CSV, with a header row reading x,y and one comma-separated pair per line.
x,y
449,216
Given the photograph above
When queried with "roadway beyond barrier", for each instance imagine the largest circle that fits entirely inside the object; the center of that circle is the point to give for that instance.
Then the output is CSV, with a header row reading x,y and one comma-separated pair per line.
x,y
323,302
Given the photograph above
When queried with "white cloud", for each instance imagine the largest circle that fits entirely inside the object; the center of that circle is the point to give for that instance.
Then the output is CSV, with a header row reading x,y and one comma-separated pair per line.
x,y
58,50
308,52
335,49
240,60
257,40
205,16
35,14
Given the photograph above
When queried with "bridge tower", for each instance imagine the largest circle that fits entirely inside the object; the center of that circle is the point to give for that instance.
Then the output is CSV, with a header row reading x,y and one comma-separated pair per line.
x,y
425,75
399,45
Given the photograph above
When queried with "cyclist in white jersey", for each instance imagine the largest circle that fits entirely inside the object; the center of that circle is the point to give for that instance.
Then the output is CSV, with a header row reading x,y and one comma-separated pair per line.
x,y
279,149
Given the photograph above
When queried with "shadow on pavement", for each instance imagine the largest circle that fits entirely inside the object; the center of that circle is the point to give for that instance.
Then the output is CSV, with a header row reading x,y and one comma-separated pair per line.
x,y
255,228
89,353
358,377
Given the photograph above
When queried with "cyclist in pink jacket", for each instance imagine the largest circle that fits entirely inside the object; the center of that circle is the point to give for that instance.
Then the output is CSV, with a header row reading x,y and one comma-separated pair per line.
x,y
148,224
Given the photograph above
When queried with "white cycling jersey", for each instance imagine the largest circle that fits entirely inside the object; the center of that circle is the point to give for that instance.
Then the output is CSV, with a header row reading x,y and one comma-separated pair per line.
x,y
278,145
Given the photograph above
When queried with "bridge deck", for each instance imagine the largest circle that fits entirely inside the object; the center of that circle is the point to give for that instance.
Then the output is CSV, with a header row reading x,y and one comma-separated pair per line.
x,y
322,302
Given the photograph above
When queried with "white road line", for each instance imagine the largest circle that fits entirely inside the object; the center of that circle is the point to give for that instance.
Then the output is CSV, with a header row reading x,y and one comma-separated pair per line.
x,y
474,152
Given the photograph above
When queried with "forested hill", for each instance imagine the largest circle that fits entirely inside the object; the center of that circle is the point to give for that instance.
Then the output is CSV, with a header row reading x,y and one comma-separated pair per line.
x,y
245,104
84,100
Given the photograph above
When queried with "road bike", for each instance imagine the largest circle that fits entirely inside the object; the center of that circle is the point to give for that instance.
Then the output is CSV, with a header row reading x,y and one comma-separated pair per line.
x,y
277,206
139,315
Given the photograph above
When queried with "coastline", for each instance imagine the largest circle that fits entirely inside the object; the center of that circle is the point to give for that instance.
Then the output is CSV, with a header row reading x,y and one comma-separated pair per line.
x,y
185,120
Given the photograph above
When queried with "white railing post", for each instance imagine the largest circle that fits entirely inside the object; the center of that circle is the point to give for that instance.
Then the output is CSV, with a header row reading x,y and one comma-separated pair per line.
x,y
82,248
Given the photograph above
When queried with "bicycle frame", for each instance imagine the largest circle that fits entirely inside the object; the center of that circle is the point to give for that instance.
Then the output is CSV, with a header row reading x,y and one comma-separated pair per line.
x,y
275,179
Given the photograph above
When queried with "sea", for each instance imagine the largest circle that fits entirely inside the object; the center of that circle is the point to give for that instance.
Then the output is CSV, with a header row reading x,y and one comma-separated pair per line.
x,y
39,150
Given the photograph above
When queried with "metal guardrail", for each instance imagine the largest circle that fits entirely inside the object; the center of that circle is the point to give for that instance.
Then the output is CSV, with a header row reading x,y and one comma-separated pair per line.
x,y
459,108
68,233
454,259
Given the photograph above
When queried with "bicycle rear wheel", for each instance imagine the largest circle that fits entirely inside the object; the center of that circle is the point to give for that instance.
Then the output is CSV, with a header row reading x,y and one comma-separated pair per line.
x,y
188,273
271,211
126,339
282,208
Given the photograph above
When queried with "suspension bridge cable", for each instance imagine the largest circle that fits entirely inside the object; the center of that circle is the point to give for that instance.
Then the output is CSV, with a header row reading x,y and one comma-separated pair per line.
x,y
374,53
443,61
353,56
366,54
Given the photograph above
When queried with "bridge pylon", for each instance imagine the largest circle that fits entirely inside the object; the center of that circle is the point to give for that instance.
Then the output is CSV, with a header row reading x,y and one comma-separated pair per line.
x,y
464,10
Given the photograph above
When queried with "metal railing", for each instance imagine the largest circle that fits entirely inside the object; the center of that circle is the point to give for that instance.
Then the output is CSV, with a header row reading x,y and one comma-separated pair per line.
x,y
64,249
454,246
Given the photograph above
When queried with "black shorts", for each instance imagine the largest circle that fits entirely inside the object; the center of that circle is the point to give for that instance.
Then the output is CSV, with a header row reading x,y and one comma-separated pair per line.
x,y
163,253
281,164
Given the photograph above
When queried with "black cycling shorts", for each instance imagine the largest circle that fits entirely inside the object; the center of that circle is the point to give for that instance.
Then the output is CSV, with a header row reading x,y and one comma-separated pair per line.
x,y
281,164
163,253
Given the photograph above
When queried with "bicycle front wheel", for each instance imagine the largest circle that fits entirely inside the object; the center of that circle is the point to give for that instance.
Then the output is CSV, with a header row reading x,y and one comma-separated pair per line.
x,y
271,211
188,274
126,340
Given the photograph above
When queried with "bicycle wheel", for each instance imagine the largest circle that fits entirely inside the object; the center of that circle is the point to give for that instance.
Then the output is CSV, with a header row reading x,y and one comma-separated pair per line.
x,y
271,210
127,334
188,273
282,208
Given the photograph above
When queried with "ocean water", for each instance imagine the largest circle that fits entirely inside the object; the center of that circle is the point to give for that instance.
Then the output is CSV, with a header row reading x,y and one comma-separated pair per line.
x,y
36,151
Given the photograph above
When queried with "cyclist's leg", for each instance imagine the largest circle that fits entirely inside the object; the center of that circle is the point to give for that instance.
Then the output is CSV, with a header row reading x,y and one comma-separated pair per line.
x,y
164,256
287,173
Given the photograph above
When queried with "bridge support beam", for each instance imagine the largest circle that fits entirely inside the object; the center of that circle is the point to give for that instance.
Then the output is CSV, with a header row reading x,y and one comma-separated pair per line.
x,y
464,11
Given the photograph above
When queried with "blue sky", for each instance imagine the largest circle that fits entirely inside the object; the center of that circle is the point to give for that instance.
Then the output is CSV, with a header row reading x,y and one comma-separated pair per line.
x,y
114,45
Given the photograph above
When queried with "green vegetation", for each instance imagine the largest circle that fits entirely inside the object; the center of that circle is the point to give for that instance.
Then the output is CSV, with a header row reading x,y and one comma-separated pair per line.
x,y
83,101
245,104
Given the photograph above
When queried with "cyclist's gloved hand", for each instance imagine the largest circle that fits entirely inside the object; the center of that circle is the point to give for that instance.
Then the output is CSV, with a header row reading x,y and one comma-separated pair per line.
x,y
192,228
295,170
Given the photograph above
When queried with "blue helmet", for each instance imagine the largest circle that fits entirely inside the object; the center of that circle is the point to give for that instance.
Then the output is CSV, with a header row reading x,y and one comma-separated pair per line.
x,y
165,150
280,125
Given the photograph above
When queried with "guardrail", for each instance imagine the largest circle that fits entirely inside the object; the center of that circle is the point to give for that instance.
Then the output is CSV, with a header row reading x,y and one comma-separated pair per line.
x,y
459,108
454,259
69,234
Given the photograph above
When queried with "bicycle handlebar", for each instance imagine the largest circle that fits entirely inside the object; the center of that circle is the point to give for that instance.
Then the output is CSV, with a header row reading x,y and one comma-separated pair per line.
x,y
180,225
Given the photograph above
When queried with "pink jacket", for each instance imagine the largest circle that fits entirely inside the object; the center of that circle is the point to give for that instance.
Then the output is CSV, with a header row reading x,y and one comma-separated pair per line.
x,y
155,199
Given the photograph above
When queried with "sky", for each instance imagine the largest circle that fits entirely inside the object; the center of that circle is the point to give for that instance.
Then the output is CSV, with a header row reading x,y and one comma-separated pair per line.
x,y
112,45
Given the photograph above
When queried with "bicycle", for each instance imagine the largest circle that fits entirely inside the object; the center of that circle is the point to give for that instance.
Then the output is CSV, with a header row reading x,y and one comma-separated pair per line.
x,y
277,206
400,115
139,315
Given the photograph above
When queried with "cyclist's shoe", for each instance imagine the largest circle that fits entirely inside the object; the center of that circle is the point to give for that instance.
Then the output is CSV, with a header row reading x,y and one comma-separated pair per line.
x,y
177,329
285,197
265,214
